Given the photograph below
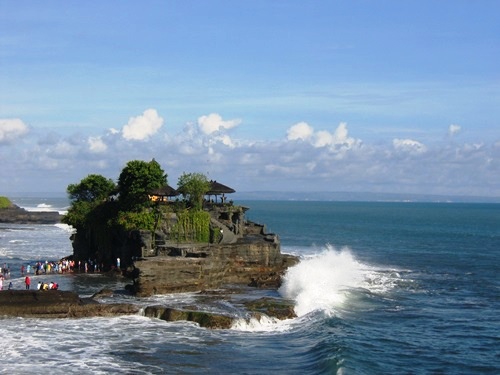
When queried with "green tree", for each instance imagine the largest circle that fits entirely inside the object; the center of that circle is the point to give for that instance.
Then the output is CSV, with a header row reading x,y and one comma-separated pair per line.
x,y
136,181
92,188
193,186
89,193
5,202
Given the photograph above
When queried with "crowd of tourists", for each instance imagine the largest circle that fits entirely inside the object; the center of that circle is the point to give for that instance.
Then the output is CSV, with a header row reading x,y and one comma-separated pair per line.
x,y
40,268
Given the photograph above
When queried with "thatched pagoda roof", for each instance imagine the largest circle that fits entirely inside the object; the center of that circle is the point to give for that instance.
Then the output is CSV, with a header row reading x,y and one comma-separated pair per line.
x,y
165,191
217,188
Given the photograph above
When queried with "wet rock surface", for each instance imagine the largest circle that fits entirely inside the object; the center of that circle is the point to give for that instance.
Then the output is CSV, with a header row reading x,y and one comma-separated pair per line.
x,y
66,304
273,307
57,304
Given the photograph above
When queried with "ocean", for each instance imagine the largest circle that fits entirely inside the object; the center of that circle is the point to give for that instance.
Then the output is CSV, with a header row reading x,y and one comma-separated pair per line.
x,y
381,288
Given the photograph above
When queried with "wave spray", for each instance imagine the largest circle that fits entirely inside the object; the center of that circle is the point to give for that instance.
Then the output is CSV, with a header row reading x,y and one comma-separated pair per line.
x,y
321,282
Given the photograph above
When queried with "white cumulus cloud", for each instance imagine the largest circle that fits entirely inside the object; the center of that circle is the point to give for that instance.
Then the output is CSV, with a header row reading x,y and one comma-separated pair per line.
x,y
409,145
454,129
11,129
213,122
322,138
142,127
302,131
96,145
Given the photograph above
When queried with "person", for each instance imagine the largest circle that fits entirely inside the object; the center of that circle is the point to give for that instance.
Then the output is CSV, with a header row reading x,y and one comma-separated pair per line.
x,y
10,285
117,262
27,281
39,285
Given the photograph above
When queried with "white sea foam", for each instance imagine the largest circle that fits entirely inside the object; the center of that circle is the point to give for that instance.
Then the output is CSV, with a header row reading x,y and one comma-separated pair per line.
x,y
262,324
33,205
65,227
323,281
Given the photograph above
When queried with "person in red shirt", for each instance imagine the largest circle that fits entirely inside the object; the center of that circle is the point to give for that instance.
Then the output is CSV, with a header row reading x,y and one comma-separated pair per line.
x,y
27,281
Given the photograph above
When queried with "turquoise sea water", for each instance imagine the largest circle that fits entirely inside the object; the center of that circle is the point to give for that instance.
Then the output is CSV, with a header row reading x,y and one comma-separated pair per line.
x,y
382,288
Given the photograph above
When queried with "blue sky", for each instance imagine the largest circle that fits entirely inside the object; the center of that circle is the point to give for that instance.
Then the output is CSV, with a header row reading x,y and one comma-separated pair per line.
x,y
376,96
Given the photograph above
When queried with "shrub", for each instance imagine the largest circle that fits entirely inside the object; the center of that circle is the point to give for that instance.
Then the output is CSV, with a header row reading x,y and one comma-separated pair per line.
x,y
5,202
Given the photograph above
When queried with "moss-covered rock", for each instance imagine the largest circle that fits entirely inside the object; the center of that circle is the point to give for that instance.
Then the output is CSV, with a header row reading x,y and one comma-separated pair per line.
x,y
204,319
273,307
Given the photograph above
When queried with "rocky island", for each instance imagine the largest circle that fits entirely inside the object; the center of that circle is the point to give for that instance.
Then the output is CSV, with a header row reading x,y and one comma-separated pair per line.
x,y
159,263
163,245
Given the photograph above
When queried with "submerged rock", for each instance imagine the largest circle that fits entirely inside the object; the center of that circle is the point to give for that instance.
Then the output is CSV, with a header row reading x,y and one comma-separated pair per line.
x,y
204,319
272,307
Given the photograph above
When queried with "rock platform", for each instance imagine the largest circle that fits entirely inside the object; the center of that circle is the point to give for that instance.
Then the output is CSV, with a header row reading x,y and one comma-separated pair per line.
x,y
57,304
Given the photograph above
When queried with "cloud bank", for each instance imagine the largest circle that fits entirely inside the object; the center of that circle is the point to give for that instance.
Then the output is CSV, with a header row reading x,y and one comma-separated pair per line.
x,y
11,129
304,159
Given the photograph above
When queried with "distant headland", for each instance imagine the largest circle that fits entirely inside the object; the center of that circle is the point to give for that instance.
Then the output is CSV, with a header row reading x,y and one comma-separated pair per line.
x,y
13,214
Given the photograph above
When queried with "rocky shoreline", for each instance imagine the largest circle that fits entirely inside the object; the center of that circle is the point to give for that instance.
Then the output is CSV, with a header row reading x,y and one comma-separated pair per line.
x,y
246,255
18,215
57,304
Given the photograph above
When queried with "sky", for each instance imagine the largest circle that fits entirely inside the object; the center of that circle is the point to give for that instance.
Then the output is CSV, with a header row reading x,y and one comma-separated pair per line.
x,y
288,96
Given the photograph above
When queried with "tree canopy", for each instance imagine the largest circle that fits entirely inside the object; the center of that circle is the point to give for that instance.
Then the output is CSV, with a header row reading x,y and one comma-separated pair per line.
x,y
91,188
193,186
137,180
92,191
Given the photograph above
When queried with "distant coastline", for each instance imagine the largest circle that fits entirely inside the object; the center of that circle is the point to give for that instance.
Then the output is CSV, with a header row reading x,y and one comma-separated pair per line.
x,y
18,215
317,196
361,197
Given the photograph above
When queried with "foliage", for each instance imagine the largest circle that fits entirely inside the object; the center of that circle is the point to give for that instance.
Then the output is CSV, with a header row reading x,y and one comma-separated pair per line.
x,y
136,181
130,220
193,186
92,188
5,202
86,196
192,226
78,213
99,218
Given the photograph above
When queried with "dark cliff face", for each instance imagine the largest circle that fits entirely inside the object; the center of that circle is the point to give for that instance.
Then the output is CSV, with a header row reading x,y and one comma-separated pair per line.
x,y
159,264
17,215
254,260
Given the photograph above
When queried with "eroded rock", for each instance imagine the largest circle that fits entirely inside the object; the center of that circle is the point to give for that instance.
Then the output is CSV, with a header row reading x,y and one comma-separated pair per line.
x,y
204,319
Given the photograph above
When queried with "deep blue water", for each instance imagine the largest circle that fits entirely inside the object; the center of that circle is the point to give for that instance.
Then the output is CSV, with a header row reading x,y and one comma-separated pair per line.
x,y
443,314
382,288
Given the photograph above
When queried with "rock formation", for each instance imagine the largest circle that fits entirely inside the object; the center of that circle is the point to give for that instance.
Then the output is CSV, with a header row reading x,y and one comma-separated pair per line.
x,y
17,215
254,259
57,304
240,252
